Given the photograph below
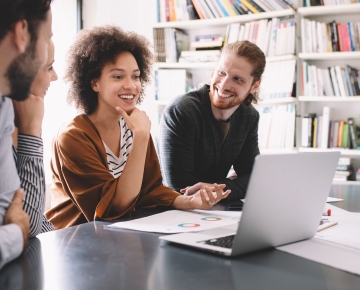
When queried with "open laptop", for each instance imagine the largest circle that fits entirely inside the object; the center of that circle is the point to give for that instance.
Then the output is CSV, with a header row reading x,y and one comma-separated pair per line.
x,y
284,203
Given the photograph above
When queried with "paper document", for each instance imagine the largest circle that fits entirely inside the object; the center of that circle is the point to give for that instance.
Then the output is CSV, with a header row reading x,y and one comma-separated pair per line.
x,y
346,232
327,253
329,199
337,246
179,221
333,199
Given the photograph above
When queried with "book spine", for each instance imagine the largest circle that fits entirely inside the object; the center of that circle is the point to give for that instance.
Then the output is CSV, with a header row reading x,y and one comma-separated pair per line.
x,y
352,133
325,127
341,131
345,143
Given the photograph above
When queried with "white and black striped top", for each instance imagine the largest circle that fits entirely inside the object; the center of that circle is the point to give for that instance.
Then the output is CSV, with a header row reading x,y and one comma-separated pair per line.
x,y
117,164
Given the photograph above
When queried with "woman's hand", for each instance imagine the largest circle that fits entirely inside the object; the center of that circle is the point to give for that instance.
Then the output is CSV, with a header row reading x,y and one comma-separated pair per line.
x,y
138,122
203,199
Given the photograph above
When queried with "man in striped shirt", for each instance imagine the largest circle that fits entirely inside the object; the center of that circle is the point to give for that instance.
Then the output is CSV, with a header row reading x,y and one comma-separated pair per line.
x,y
25,33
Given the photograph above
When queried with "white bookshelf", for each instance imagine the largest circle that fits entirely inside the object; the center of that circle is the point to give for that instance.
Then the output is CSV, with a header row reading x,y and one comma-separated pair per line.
x,y
186,65
346,55
205,23
328,99
277,151
329,10
279,101
212,65
344,152
349,182
341,107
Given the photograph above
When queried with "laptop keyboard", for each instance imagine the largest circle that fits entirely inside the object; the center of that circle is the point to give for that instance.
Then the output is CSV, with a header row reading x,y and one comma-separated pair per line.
x,y
223,242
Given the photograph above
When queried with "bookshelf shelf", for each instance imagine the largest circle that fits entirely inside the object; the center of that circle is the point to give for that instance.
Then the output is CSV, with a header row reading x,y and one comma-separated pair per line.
x,y
187,65
328,99
350,182
289,100
280,57
204,23
344,152
276,151
328,10
330,55
212,65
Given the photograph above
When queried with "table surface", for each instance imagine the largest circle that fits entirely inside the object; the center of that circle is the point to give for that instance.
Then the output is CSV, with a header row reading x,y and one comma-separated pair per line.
x,y
90,257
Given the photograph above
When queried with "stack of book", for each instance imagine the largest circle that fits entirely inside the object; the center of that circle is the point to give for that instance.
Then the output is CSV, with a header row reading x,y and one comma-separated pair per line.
x,y
344,170
278,80
329,37
169,43
170,83
180,10
308,3
199,56
333,81
318,131
276,126
274,36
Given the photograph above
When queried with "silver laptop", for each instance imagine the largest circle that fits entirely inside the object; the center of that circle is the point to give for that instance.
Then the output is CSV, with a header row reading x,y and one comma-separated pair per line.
x,y
284,203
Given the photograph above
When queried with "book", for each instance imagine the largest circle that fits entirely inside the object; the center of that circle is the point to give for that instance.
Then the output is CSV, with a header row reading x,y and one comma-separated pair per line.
x,y
304,131
199,56
215,44
341,131
312,117
341,81
335,134
352,133
314,133
172,82
345,139
325,127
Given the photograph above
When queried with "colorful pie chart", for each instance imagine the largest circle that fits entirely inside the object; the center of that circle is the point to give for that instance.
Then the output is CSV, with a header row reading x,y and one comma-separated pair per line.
x,y
211,219
188,225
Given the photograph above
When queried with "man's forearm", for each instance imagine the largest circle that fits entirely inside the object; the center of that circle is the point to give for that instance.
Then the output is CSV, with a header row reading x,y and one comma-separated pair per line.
x,y
29,161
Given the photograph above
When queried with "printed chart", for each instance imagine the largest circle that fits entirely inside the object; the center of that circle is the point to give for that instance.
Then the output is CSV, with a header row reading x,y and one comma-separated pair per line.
x,y
178,221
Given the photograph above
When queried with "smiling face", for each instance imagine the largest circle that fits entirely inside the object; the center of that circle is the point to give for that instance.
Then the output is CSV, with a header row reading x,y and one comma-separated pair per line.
x,y
119,83
45,75
231,83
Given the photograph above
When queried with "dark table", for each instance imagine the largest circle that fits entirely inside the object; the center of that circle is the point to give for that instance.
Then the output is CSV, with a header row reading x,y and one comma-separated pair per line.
x,y
90,257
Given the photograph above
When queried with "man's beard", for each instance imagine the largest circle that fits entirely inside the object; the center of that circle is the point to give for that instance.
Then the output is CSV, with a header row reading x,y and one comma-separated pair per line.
x,y
22,72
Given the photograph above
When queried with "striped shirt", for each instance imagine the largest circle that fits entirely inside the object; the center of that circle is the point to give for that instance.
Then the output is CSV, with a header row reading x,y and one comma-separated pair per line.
x,y
29,162
117,164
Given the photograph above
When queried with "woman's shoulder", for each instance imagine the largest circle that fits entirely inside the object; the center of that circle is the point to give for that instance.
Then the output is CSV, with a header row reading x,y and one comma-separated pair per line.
x,y
78,129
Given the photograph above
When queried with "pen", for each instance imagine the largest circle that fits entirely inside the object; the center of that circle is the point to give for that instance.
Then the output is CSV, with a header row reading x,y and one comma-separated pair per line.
x,y
327,212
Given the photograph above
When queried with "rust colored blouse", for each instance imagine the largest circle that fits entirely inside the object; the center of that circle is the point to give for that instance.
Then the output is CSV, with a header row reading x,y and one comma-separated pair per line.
x,y
83,187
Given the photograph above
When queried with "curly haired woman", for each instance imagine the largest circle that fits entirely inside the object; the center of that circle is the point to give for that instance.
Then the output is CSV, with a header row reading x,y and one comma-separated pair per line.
x,y
104,162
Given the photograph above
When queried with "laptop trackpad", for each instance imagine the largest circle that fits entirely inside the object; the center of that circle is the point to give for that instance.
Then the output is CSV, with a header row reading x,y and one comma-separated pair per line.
x,y
223,231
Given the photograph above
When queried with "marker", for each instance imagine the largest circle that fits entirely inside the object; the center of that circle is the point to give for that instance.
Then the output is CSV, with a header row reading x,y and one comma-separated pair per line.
x,y
327,212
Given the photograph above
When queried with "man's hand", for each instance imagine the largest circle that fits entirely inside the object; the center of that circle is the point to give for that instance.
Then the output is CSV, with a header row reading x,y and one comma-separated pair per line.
x,y
203,198
29,115
190,190
16,215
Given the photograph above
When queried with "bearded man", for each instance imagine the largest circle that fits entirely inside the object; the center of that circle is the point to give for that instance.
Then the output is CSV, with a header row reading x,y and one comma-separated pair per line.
x,y
206,132
25,33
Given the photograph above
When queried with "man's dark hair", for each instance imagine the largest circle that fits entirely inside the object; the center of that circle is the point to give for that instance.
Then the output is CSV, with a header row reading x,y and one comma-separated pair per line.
x,y
92,50
253,54
12,11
